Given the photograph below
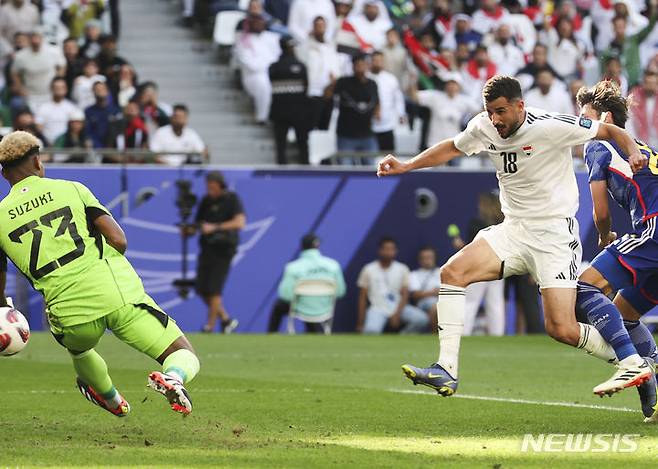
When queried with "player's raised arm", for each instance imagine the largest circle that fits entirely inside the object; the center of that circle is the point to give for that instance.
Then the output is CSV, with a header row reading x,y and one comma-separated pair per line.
x,y
435,155
468,142
636,159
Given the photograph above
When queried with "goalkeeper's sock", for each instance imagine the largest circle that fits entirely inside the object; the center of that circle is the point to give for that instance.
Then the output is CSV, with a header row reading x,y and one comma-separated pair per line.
x,y
642,339
92,369
605,317
450,317
182,365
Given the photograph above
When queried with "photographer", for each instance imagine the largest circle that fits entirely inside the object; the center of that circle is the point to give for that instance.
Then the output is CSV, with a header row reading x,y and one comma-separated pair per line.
x,y
219,219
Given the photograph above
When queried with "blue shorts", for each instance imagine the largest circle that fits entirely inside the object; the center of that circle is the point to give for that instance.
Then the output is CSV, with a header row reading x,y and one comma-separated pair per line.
x,y
630,265
641,299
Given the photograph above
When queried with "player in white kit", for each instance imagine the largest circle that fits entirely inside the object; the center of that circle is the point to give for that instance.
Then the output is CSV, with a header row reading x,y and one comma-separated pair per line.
x,y
531,150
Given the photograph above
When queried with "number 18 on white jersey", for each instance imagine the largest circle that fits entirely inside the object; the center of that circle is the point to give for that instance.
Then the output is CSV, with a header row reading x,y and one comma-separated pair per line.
x,y
534,166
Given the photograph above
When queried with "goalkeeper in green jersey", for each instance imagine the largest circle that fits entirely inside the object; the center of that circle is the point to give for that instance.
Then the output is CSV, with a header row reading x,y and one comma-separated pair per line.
x,y
70,248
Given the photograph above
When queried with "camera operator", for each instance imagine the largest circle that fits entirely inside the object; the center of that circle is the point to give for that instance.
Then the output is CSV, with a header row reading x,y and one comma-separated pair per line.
x,y
219,219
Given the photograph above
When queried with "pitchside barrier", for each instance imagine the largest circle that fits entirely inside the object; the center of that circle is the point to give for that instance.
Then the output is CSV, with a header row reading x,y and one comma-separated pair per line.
x,y
349,208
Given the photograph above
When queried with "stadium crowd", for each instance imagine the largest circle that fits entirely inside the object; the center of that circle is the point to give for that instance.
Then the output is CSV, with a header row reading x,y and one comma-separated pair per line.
x,y
64,81
387,63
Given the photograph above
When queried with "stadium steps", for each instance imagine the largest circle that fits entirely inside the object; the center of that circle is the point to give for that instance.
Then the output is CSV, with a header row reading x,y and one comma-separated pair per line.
x,y
187,70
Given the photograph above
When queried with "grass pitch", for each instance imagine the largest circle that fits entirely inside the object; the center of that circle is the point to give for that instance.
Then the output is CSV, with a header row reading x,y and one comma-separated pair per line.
x,y
308,401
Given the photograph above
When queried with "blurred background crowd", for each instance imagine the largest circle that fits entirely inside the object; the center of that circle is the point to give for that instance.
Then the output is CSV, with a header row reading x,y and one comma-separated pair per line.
x,y
391,66
64,81
353,78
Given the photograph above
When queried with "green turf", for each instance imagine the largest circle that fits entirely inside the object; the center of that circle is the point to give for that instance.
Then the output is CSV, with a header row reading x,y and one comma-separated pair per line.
x,y
302,401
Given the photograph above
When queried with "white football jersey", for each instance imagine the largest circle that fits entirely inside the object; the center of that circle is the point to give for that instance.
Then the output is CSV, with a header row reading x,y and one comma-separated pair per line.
x,y
534,166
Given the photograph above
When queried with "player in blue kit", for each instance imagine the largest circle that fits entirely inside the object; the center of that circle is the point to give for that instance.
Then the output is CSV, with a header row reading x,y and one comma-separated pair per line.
x,y
628,265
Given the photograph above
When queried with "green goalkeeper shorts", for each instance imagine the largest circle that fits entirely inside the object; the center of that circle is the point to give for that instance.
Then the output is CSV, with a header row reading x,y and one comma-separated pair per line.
x,y
143,326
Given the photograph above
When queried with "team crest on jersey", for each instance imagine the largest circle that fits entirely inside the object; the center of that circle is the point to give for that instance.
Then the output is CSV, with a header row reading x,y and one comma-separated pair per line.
x,y
528,150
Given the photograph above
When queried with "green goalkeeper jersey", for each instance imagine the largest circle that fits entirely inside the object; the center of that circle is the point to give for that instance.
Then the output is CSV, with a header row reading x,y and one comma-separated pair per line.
x,y
47,231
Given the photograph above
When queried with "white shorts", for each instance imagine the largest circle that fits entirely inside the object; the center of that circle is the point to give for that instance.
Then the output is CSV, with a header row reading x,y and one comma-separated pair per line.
x,y
549,250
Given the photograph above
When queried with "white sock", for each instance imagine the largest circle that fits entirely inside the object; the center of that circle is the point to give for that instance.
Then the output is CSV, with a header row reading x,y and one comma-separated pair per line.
x,y
631,360
450,315
593,343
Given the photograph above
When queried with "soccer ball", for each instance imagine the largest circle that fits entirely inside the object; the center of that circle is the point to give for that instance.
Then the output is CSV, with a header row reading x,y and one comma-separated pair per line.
x,y
14,331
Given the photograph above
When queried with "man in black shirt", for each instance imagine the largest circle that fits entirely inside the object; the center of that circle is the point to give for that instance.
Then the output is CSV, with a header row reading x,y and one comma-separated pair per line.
x,y
219,219
358,102
289,102
109,63
74,63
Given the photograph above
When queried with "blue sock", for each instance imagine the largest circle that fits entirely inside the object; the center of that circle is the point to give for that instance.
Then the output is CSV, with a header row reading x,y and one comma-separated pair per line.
x,y
642,339
604,315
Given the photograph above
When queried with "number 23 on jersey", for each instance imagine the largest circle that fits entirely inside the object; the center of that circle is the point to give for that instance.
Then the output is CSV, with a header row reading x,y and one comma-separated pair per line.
x,y
36,227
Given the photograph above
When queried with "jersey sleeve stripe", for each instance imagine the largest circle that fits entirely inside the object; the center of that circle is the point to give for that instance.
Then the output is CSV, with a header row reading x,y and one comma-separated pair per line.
x,y
567,121
565,117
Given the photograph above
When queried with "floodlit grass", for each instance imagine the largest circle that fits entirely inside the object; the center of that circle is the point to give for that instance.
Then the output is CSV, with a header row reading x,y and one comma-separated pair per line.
x,y
309,401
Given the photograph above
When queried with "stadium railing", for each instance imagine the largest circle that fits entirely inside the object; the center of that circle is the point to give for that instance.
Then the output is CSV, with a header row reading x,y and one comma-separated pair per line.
x,y
129,156
355,159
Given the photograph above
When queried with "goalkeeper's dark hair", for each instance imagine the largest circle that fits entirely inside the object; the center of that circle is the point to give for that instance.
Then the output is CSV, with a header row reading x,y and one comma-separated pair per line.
x,y
606,96
502,86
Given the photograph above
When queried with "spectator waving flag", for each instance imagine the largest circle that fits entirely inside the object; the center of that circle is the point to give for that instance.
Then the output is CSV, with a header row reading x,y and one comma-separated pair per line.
x,y
429,62
349,42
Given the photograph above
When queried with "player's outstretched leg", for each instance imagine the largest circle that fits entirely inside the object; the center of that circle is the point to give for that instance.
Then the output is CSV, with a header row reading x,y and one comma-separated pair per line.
x,y
606,318
442,376
476,262
179,366
604,315
95,383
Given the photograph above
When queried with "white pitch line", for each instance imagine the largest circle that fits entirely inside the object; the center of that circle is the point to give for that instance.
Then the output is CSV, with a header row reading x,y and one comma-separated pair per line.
x,y
509,400
512,400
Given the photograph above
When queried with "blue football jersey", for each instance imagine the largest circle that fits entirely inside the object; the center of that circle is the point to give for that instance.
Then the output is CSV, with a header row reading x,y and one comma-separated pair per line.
x,y
636,193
